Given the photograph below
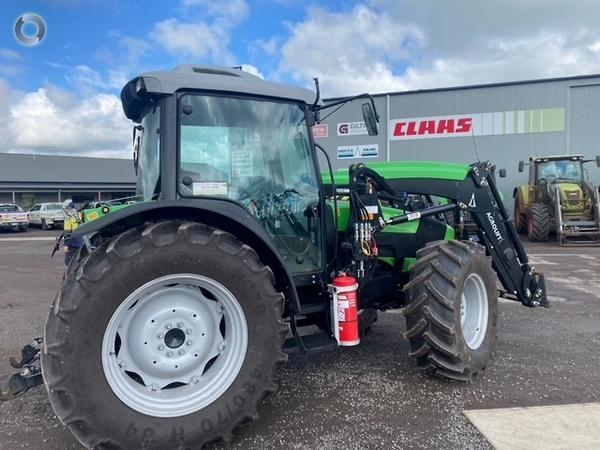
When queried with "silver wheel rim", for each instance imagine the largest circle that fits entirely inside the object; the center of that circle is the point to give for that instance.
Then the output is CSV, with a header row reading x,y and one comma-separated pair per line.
x,y
174,345
474,311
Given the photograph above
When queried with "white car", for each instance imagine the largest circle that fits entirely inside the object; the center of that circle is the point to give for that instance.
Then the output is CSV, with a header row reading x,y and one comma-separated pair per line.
x,y
13,217
47,215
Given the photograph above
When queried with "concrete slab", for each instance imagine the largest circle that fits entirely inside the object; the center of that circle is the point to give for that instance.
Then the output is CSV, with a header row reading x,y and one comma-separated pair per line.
x,y
547,427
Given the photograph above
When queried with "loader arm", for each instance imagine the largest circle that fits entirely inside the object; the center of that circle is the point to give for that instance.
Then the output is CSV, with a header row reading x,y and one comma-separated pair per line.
x,y
475,193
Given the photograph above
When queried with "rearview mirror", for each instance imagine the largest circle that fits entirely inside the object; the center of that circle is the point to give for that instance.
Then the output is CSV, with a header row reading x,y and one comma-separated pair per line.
x,y
370,119
598,160
502,173
521,166
137,131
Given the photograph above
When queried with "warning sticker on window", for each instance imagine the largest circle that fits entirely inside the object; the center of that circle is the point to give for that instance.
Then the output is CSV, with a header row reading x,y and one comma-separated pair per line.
x,y
241,163
210,188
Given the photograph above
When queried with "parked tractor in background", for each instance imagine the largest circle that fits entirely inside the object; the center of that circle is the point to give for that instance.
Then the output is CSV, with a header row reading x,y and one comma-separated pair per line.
x,y
175,313
559,198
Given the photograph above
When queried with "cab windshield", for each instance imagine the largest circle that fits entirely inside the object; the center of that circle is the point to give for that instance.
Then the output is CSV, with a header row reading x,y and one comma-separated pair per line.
x,y
257,153
565,170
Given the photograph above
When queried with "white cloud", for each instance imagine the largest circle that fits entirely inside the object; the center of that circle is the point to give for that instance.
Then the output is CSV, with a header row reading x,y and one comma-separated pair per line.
x,y
269,47
51,117
349,52
6,53
206,38
410,44
191,40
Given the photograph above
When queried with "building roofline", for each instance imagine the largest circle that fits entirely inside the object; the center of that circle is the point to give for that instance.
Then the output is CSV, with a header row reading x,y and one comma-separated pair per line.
x,y
50,155
478,86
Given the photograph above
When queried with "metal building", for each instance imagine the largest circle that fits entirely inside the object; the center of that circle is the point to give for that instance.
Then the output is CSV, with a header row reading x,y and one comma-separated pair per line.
x,y
26,179
502,122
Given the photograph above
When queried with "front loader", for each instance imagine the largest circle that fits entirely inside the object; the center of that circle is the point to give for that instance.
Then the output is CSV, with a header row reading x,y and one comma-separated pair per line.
x,y
558,198
174,315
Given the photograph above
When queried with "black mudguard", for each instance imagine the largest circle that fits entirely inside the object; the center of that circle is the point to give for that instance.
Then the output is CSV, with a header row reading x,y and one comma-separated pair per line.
x,y
219,213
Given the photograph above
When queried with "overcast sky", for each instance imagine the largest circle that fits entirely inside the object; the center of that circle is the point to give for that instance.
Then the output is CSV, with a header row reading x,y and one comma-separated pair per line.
x,y
64,93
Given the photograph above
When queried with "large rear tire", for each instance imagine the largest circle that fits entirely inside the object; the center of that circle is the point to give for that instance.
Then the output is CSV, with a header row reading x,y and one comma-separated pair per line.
x,y
538,223
520,217
452,309
166,337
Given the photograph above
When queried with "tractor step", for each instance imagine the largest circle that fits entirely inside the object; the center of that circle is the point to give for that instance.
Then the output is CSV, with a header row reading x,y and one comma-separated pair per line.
x,y
581,224
312,343
583,241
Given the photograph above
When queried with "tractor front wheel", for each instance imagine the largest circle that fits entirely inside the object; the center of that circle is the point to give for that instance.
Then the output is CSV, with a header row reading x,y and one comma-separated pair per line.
x,y
167,336
538,223
452,309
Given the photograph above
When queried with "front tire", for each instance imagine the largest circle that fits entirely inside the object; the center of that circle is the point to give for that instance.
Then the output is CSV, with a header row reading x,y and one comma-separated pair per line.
x,y
102,360
538,223
452,309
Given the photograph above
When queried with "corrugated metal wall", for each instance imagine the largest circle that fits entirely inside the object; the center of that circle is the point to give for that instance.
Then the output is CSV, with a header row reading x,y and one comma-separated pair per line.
x,y
576,100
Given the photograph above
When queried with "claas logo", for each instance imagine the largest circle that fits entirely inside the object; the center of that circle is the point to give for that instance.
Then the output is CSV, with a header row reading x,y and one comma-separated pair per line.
x,y
433,127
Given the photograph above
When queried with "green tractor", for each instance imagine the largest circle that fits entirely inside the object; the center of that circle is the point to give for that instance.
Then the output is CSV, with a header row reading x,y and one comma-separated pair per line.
x,y
557,197
177,311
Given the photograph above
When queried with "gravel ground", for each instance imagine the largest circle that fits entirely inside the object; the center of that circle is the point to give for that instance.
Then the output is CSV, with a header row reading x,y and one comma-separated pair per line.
x,y
370,396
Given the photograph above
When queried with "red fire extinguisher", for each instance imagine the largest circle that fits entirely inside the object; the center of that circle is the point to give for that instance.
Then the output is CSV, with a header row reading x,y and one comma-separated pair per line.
x,y
345,310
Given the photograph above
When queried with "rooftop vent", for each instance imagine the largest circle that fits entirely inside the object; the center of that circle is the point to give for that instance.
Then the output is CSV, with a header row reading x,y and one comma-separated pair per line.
x,y
207,70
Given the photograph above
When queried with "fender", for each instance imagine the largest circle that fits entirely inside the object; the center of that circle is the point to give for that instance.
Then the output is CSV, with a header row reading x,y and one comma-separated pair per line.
x,y
522,194
224,214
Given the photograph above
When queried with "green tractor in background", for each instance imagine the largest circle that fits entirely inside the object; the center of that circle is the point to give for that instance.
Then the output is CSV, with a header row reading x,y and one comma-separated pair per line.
x,y
558,197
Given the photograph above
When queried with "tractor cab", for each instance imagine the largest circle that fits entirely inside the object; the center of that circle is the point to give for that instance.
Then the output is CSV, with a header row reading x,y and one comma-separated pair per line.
x,y
236,138
556,169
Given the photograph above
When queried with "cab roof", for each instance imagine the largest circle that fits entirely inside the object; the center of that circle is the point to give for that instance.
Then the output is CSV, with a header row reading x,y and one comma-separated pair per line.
x,y
556,158
224,79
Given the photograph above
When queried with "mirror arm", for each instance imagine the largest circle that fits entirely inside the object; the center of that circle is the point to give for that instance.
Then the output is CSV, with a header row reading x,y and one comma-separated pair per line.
x,y
349,99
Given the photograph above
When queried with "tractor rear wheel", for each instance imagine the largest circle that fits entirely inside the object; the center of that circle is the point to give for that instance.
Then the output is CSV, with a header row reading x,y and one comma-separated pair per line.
x,y
452,309
168,336
520,217
538,223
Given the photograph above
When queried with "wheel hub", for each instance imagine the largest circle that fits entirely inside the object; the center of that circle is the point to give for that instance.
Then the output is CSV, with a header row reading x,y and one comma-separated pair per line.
x,y
164,349
175,338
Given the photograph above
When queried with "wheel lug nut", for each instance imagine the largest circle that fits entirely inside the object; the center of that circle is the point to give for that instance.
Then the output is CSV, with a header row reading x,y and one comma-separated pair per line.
x,y
180,324
188,342
168,326
161,347
169,353
188,331
160,335
181,352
